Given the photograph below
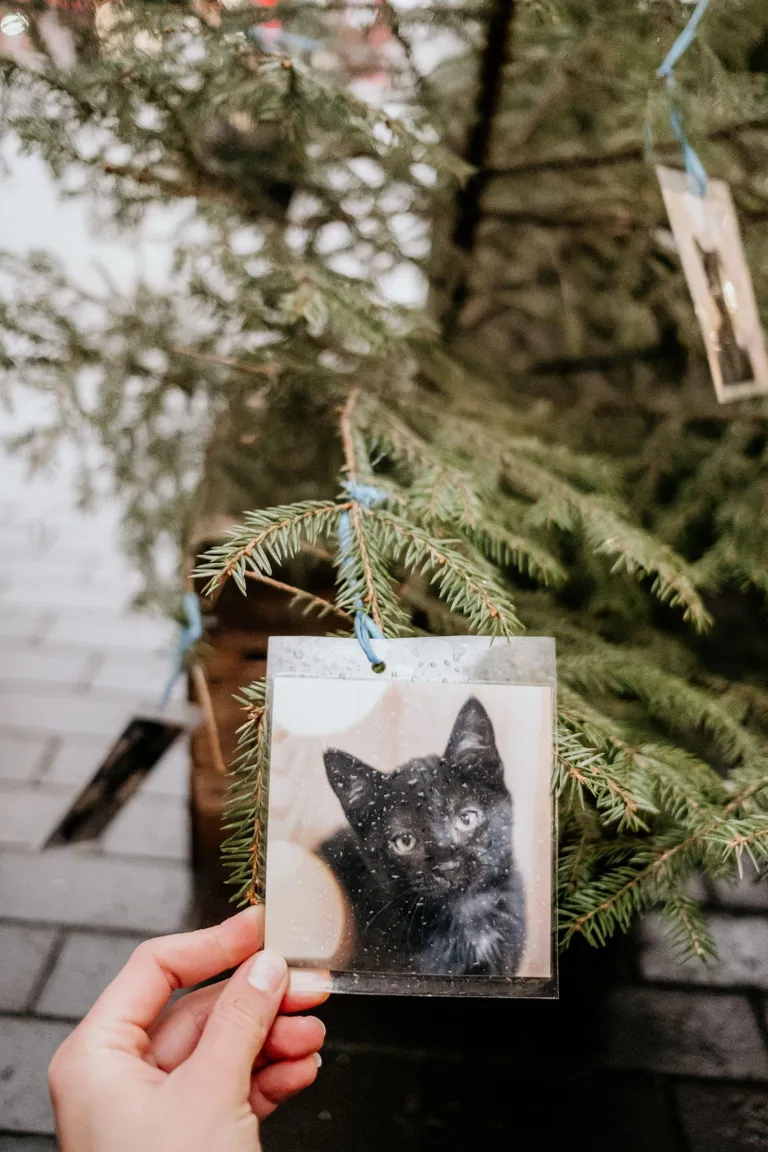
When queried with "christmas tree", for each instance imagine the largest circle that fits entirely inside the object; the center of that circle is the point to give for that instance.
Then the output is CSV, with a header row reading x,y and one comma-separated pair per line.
x,y
536,446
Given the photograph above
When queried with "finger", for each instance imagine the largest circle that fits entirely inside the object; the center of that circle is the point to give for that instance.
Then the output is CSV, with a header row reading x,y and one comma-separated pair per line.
x,y
180,1026
238,1026
176,1034
278,1082
307,988
293,1037
159,967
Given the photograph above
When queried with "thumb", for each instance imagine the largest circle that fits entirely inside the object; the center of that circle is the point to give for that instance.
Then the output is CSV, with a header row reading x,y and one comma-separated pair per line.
x,y
238,1026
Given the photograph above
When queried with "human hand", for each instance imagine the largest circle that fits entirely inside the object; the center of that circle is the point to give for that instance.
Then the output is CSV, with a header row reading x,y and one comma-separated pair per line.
x,y
135,1076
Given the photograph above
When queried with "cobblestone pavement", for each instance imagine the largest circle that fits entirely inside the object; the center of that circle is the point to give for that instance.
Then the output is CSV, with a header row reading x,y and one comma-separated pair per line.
x,y
73,664
639,1054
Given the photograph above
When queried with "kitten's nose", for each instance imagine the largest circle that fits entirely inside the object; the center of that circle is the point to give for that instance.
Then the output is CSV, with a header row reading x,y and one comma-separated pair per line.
x,y
447,867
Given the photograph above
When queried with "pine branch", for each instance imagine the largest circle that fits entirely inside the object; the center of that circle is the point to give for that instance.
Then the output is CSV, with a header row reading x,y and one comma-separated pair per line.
x,y
244,849
687,929
573,863
268,370
362,571
517,550
463,580
656,871
581,769
626,154
609,534
267,538
364,577
299,596
668,698
183,187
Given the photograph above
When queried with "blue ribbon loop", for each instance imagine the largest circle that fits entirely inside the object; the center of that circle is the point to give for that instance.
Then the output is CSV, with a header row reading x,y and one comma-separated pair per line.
x,y
697,175
364,494
366,629
189,635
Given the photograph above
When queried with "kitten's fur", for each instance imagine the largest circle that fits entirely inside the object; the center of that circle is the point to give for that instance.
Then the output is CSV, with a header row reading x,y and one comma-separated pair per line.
x,y
426,862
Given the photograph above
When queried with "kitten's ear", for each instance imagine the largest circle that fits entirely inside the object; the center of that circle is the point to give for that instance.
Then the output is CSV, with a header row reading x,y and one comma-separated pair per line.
x,y
472,732
352,780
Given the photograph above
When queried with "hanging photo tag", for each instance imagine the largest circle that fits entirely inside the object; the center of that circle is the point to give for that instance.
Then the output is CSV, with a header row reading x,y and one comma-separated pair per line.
x,y
410,844
146,737
706,230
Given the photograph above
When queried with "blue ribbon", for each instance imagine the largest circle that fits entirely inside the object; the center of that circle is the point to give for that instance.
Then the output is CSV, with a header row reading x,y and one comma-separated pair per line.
x,y
366,629
189,635
693,165
696,172
684,40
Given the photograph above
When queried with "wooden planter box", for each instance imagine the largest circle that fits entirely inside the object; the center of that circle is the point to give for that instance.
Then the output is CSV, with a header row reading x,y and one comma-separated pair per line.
x,y
236,655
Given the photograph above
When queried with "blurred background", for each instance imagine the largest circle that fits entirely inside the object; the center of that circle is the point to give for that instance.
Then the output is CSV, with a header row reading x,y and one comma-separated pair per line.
x,y
219,220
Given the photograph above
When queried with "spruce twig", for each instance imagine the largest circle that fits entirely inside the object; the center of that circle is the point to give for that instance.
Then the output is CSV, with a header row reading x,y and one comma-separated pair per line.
x,y
300,596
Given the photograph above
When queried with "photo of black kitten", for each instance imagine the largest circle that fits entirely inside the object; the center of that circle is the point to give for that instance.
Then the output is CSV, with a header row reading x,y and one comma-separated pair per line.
x,y
426,858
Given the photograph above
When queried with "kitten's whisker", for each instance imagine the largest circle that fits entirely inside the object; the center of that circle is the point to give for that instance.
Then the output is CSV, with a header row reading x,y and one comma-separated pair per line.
x,y
418,902
400,896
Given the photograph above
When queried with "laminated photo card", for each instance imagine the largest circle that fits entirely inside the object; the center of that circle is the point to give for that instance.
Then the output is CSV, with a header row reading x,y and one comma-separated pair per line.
x,y
410,843
706,230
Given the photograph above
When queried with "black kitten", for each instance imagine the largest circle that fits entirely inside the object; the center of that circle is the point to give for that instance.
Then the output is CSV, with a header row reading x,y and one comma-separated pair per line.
x,y
426,862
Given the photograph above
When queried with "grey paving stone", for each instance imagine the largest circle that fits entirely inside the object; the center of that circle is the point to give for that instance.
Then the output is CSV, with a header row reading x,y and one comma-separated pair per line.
x,y
67,593
112,565
125,673
26,1048
20,568
11,1143
68,886
134,633
697,889
150,826
23,954
86,964
42,666
24,624
683,1033
29,812
22,757
742,950
76,758
171,776
747,893
723,1119
56,714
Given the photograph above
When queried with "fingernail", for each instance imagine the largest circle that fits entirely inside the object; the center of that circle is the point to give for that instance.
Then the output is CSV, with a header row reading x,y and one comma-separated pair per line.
x,y
253,911
267,972
309,980
253,914
318,1059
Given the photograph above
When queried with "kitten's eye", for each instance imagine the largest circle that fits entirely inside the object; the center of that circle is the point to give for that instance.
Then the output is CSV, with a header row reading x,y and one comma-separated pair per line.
x,y
467,820
403,843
